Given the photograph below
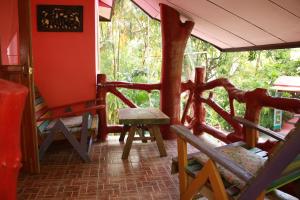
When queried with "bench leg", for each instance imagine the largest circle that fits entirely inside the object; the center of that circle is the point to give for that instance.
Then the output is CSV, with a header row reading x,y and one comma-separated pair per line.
x,y
129,140
81,150
84,131
159,140
45,145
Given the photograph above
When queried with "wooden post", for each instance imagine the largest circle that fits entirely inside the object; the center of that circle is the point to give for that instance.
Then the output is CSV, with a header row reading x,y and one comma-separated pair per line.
x,y
253,108
101,95
182,164
199,112
174,38
29,140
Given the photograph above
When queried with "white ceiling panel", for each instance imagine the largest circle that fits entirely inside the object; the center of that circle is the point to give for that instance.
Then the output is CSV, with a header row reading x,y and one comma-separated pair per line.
x,y
266,15
233,25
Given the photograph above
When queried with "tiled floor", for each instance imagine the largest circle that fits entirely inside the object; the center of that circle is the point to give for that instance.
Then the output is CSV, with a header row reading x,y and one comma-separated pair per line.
x,y
144,175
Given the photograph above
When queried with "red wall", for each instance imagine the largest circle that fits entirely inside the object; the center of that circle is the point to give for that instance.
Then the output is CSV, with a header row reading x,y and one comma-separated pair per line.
x,y
65,62
9,31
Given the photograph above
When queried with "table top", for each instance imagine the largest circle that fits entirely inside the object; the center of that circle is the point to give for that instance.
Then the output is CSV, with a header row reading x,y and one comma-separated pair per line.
x,y
142,116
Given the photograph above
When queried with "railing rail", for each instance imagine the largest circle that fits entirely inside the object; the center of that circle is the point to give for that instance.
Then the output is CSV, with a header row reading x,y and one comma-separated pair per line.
x,y
254,100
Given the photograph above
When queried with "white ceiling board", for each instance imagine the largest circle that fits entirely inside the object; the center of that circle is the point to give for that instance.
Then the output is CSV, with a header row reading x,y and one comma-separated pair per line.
x,y
238,24
210,39
152,7
222,35
266,15
226,20
292,6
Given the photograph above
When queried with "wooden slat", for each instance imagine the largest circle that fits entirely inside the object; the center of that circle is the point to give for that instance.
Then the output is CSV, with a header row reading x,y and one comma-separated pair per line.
x,y
182,164
259,128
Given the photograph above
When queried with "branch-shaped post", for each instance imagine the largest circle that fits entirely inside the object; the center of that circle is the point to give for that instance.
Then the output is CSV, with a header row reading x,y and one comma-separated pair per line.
x,y
199,112
101,95
174,38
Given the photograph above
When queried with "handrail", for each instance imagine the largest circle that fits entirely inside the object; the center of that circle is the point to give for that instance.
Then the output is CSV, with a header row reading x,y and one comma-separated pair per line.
x,y
213,154
259,128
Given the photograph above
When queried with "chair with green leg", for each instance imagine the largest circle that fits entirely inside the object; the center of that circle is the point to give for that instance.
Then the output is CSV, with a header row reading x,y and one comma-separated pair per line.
x,y
77,123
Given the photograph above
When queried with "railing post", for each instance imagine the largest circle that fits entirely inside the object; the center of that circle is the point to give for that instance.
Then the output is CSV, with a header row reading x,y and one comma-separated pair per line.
x,y
199,112
253,108
101,95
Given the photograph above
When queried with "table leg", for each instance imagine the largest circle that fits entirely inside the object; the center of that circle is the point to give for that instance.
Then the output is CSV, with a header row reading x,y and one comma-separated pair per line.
x,y
123,133
159,140
129,140
141,133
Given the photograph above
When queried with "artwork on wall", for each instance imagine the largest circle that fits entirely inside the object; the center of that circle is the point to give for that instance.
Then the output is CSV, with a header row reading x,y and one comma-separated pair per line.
x,y
59,18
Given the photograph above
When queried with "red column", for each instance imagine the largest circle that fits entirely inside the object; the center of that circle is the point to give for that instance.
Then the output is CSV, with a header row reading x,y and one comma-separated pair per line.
x,y
199,111
12,101
174,38
101,95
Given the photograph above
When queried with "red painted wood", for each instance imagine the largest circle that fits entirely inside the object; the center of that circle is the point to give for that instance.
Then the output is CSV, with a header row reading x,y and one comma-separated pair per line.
x,y
174,38
136,86
118,94
187,107
12,101
103,87
255,100
101,95
199,112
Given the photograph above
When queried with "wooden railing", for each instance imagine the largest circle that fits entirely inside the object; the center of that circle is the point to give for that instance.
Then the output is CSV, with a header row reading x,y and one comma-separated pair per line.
x,y
255,100
104,87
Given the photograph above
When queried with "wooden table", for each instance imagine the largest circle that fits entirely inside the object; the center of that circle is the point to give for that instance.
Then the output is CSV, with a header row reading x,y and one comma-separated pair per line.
x,y
139,118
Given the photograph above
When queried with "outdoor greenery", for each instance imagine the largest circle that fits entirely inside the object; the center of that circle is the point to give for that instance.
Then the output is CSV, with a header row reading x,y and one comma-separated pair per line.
x,y
130,50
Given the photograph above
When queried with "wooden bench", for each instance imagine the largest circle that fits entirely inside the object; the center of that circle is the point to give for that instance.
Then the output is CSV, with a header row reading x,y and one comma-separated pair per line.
x,y
143,118
76,122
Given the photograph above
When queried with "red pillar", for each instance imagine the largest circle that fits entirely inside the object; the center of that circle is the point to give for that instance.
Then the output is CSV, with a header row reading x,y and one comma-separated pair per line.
x,y
12,101
174,38
199,111
101,95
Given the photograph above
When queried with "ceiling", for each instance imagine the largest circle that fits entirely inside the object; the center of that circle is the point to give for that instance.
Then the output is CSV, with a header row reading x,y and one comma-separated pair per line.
x,y
238,25
105,9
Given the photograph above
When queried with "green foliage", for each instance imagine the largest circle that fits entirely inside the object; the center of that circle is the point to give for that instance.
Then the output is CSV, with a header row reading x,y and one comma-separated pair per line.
x,y
130,50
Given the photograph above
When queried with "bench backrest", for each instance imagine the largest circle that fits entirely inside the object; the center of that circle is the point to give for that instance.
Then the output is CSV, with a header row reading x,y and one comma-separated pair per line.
x,y
41,110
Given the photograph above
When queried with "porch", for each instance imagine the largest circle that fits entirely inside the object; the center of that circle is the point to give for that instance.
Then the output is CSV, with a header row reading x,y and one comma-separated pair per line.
x,y
144,175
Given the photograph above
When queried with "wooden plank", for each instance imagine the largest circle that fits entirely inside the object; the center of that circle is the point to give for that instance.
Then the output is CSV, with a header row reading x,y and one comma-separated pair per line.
x,y
182,164
142,116
259,128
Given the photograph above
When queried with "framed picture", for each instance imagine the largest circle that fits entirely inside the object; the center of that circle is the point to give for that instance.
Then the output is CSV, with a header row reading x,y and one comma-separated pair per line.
x,y
59,18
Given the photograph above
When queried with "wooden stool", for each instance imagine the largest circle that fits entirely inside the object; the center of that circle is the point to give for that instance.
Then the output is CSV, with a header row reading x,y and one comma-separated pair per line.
x,y
138,119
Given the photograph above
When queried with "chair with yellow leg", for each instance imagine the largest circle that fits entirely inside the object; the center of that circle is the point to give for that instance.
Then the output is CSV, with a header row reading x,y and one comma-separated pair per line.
x,y
234,171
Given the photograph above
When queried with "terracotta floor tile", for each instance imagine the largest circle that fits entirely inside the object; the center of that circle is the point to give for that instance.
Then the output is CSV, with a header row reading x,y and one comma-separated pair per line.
x,y
143,176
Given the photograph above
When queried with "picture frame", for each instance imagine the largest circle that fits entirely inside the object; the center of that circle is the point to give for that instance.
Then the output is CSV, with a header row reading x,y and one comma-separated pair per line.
x,y
59,18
